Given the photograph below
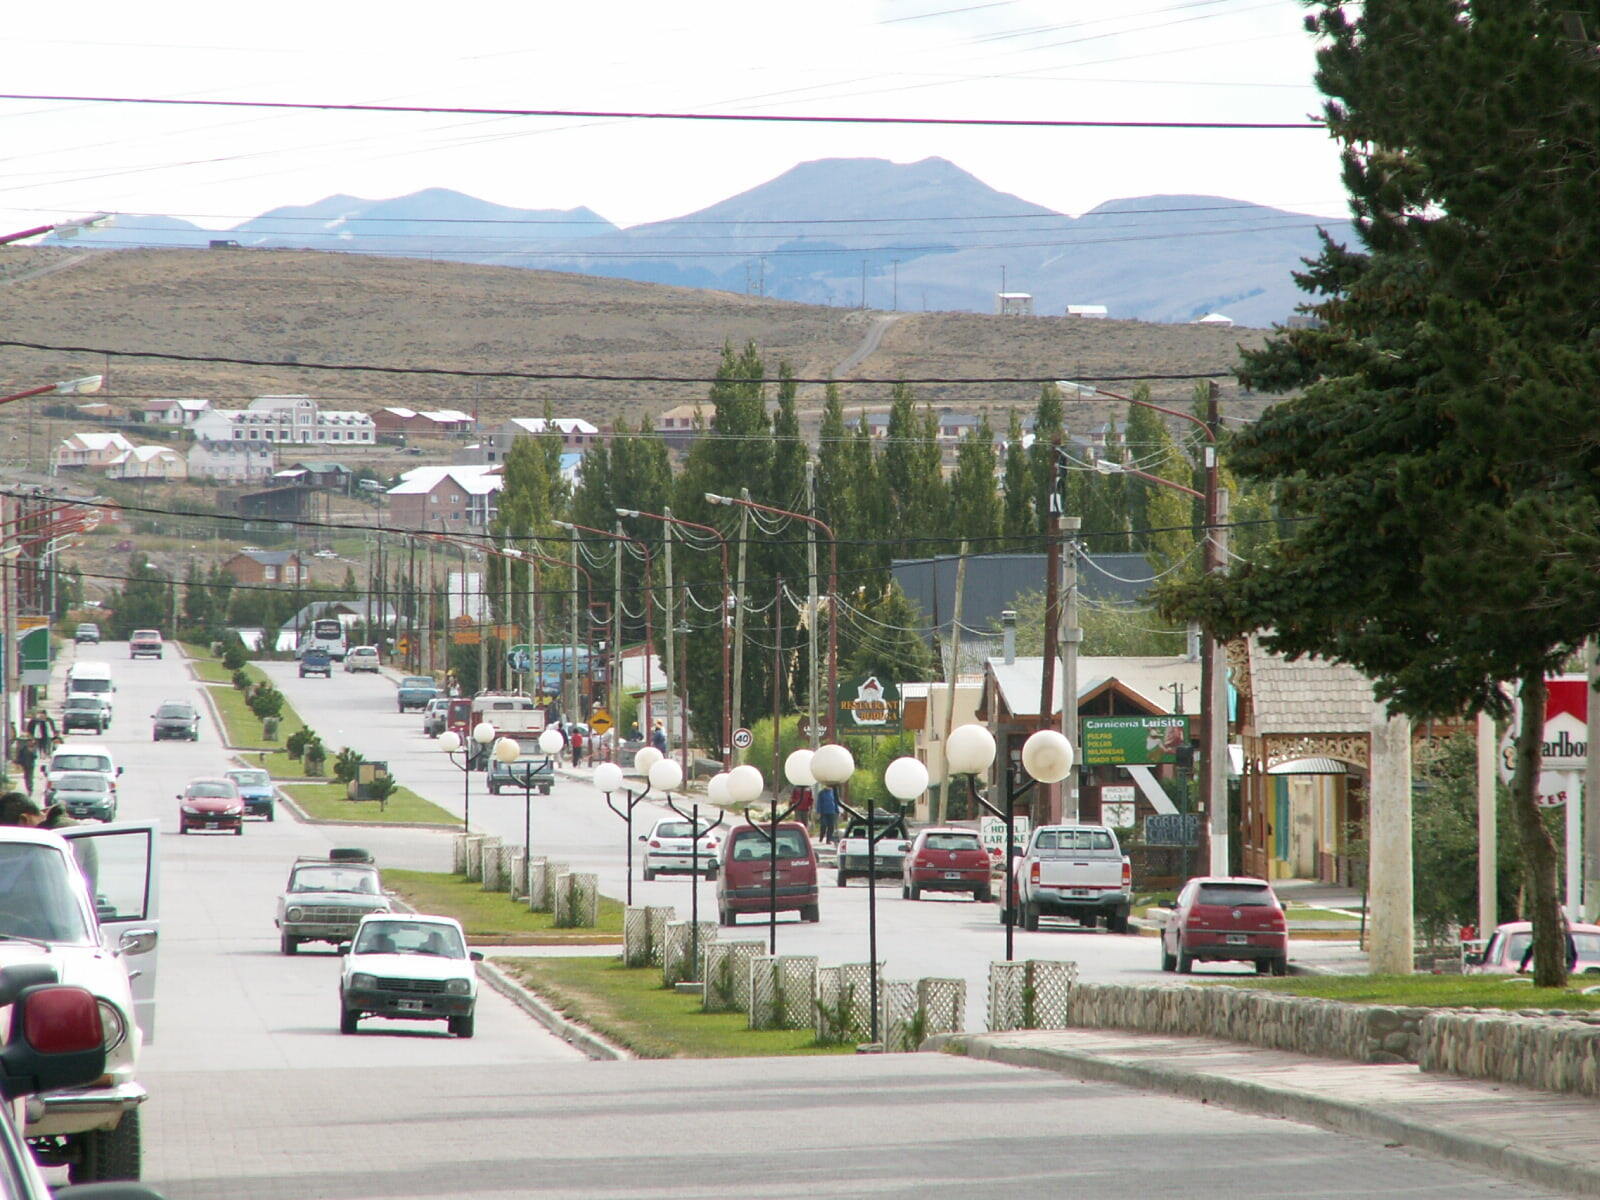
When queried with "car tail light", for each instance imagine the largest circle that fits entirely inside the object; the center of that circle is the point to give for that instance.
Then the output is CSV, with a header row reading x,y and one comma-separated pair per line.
x,y
1127,873
655,843
1277,920
62,1020
1033,873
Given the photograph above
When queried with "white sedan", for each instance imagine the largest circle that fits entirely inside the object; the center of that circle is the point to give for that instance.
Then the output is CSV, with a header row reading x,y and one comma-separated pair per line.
x,y
409,968
361,658
668,849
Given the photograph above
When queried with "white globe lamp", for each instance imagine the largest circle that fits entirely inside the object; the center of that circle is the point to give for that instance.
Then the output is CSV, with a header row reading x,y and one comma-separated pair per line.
x,y
1047,756
483,733
797,769
607,776
450,741
506,750
906,778
646,758
666,776
550,741
970,750
717,789
745,784
832,764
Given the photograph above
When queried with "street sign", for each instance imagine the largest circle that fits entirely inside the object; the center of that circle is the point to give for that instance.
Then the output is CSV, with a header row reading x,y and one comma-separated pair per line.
x,y
1133,741
600,721
993,832
1172,829
742,739
1118,805
519,659
869,705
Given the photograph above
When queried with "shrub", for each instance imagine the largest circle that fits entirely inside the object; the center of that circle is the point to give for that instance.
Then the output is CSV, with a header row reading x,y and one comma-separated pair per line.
x,y
241,681
380,789
298,741
233,658
345,764
316,757
265,701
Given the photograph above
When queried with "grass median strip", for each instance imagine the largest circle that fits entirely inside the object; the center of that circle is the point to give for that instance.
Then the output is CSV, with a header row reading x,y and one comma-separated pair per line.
x,y
1432,991
328,802
629,1006
494,914
242,730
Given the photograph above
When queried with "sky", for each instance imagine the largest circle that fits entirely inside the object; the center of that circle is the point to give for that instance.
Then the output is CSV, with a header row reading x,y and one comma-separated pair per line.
x,y
1152,60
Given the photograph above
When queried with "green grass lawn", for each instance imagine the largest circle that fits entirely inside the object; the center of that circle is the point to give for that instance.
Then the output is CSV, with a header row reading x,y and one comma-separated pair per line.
x,y
1432,991
491,914
630,1007
243,731
327,802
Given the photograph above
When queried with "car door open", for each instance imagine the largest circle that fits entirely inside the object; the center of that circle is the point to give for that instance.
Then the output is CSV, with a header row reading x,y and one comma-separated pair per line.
x,y
121,864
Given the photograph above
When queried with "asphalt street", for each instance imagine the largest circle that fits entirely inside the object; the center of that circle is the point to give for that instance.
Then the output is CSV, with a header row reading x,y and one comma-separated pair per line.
x,y
255,1095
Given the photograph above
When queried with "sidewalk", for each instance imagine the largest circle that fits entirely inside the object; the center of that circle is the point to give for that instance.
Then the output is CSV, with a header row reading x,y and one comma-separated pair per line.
x,y
1538,1137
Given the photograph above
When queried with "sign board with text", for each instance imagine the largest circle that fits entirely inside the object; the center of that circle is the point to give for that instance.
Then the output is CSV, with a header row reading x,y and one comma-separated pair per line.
x,y
1133,741
1172,829
870,705
993,832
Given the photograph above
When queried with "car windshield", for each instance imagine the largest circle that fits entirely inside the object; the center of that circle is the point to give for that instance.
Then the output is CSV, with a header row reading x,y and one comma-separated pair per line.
x,y
81,783
749,846
416,681
1073,839
212,791
36,896
409,937
679,829
250,778
1236,895
90,685
93,703
174,710
952,841
334,879
1517,945
80,762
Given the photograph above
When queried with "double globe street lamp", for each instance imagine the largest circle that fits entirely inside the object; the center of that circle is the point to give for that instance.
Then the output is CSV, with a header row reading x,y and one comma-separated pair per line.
x,y
507,751
452,744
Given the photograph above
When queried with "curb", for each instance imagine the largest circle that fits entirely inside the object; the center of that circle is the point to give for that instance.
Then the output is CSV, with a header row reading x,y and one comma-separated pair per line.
x,y
305,818
586,1040
1340,1116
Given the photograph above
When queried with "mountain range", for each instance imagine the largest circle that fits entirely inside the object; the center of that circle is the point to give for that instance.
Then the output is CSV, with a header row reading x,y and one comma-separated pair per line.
x,y
844,232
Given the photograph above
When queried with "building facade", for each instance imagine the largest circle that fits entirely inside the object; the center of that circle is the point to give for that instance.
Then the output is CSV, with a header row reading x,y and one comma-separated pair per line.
x,y
88,451
446,499
267,566
286,420
231,462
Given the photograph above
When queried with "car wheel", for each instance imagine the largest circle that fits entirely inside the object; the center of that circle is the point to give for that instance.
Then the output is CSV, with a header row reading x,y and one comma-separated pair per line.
x,y
905,891
914,892
983,895
493,790
844,877
811,913
461,1026
238,830
724,917
649,875
1117,922
1185,961
347,1020
271,812
182,828
109,1153
1168,962
711,874
289,945
1030,917
1280,965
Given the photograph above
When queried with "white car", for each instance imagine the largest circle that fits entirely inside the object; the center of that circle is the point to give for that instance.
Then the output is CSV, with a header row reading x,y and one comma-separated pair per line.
x,y
669,851
409,968
83,756
361,658
84,902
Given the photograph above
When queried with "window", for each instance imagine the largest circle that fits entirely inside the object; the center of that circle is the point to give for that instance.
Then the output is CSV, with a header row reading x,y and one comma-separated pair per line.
x,y
1236,895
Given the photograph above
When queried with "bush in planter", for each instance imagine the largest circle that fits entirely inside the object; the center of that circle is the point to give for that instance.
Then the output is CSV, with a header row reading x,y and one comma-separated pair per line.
x,y
344,766
380,789
316,758
265,701
269,728
241,681
298,741
233,658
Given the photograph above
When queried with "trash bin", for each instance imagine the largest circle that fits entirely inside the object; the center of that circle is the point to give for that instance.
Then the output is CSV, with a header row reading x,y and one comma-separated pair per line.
x,y
367,772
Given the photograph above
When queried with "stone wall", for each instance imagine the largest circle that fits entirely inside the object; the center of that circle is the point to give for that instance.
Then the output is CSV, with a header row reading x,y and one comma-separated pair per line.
x,y
1554,1051
1361,1033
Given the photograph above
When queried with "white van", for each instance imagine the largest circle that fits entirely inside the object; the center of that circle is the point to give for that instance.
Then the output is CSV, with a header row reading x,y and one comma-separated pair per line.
x,y
83,756
91,679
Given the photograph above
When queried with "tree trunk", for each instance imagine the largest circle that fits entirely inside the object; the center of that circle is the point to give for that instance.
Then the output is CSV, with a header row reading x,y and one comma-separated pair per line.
x,y
1538,848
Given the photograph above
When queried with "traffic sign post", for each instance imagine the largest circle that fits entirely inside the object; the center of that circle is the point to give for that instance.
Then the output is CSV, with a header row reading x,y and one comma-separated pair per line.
x,y
742,738
600,721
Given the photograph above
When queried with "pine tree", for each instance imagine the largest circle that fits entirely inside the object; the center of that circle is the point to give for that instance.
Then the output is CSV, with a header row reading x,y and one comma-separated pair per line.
x,y
1017,519
974,502
1049,427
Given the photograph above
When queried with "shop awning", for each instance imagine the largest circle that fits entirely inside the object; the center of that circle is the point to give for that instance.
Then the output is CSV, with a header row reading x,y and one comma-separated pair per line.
x,y
1310,766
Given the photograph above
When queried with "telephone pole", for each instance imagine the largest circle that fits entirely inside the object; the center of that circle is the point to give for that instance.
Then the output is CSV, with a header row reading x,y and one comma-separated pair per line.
x,y
736,721
815,734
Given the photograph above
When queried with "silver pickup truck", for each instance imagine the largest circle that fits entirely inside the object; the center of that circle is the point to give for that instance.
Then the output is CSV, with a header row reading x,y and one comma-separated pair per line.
x,y
1074,871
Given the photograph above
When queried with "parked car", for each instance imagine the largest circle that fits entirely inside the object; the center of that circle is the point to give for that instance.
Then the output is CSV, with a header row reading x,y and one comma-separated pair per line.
x,y
409,968
84,795
84,901
1225,919
416,691
73,1055
85,712
669,849
946,860
1502,954
745,883
1074,871
175,719
316,662
534,772
211,804
889,848
256,790
145,643
86,634
361,658
435,716
326,898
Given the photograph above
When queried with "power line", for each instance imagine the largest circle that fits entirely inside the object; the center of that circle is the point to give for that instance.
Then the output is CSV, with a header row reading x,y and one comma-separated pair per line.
x,y
632,115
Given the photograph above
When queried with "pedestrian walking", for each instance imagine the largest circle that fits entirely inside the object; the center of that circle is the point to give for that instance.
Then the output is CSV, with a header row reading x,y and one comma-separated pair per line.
x,y
577,746
801,802
827,812
658,737
42,729
26,757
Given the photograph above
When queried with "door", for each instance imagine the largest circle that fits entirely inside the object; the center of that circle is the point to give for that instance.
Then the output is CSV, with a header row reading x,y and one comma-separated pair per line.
x,y
123,870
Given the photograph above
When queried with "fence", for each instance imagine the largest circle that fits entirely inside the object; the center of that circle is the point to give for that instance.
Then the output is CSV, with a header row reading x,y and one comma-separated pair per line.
x,y
727,975
782,991
1033,994
541,884
686,942
643,930
844,1003
577,901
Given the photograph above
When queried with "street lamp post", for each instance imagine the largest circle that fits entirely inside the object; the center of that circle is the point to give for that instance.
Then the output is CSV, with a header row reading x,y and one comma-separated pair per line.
x,y
65,229
67,387
834,764
833,593
608,778
509,750
452,744
1047,758
667,776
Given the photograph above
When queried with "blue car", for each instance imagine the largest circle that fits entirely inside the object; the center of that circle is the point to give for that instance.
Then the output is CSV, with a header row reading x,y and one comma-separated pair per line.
x,y
255,788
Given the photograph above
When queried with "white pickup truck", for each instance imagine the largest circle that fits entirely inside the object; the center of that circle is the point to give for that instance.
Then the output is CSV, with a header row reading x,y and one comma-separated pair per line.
x,y
1076,871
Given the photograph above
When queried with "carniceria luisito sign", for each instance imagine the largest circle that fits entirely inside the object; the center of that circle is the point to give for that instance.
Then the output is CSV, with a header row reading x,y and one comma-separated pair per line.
x,y
1133,741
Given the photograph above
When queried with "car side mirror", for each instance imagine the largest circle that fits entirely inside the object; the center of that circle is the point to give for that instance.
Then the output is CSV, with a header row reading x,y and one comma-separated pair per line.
x,y
1167,904
178,797
476,956
644,837
1474,959
119,770
136,941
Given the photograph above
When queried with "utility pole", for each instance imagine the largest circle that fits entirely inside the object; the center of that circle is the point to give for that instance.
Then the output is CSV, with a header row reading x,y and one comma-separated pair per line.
x,y
863,285
573,710
896,292
1049,802
940,807
484,616
672,630
1488,829
1591,794
1216,702
1071,636
1390,945
614,688
815,734
738,617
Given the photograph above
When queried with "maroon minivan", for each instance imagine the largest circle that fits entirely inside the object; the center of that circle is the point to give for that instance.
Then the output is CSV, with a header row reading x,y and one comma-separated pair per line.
x,y
745,884
1223,919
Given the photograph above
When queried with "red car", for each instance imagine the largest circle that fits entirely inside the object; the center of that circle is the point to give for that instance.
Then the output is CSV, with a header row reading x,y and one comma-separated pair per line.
x,y
211,804
745,884
1223,919
946,860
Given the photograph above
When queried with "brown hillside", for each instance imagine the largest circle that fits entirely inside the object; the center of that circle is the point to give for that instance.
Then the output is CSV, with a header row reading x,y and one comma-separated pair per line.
x,y
293,306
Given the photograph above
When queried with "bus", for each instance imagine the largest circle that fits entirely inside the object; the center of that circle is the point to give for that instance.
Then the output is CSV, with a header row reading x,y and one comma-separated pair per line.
x,y
326,634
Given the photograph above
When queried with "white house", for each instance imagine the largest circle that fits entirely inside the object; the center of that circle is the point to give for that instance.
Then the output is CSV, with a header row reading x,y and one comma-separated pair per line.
x,y
1216,318
1013,304
231,462
181,411
88,451
148,462
1090,311
287,419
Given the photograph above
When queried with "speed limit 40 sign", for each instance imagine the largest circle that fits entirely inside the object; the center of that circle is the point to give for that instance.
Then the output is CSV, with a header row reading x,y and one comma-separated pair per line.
x,y
742,739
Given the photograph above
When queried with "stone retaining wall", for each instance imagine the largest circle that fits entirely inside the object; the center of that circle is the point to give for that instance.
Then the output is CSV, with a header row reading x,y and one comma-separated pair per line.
x,y
1555,1052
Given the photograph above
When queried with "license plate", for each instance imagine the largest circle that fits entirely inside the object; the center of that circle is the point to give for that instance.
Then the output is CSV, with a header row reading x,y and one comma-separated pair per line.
x,y
952,874
408,1005
1080,891
1238,939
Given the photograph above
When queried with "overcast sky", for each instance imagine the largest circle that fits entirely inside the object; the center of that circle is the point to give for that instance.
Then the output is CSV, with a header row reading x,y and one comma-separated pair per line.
x,y
1033,59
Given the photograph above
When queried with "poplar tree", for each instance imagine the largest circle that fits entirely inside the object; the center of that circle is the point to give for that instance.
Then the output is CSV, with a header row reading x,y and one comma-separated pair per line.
x,y
1016,521
974,501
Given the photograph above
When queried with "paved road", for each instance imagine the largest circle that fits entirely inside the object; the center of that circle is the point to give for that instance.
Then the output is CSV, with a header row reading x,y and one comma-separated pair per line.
x,y
943,936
